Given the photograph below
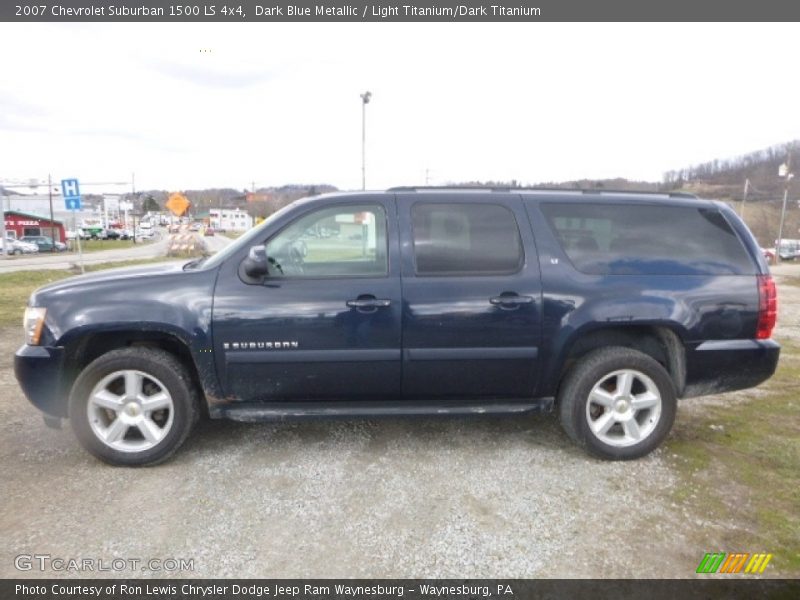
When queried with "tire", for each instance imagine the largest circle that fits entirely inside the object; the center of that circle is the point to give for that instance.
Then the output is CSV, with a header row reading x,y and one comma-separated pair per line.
x,y
108,406
611,418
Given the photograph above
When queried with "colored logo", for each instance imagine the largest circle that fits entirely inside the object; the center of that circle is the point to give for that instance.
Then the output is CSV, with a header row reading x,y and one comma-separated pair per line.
x,y
741,562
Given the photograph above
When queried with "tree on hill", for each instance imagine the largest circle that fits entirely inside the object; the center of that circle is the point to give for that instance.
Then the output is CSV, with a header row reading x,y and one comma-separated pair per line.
x,y
149,204
760,168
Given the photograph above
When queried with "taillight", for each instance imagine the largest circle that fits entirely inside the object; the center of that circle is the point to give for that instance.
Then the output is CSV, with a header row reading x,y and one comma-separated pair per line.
x,y
767,307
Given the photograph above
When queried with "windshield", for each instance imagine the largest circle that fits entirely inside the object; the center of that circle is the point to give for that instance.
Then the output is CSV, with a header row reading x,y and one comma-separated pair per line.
x,y
246,240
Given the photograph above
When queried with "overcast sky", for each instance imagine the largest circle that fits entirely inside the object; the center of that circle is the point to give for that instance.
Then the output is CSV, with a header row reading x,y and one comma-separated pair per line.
x,y
189,106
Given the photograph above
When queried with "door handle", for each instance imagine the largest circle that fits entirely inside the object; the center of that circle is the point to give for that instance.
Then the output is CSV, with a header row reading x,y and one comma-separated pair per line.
x,y
509,300
368,303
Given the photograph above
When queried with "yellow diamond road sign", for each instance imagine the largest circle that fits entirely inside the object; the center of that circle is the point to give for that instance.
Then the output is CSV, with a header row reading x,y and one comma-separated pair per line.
x,y
178,204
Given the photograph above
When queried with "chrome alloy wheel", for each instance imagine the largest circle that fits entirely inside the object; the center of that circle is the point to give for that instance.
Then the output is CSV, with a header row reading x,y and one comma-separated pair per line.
x,y
623,408
130,411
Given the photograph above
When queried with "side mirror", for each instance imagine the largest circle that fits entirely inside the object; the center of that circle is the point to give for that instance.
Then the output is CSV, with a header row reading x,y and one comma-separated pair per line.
x,y
256,265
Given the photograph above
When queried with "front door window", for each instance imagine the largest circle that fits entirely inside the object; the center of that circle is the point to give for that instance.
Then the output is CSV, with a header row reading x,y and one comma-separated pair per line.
x,y
341,241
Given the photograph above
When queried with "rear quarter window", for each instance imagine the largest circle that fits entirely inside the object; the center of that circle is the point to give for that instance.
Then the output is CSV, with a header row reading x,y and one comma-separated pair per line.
x,y
608,239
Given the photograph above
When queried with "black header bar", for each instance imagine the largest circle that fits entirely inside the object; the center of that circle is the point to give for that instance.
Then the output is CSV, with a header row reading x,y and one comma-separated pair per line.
x,y
507,11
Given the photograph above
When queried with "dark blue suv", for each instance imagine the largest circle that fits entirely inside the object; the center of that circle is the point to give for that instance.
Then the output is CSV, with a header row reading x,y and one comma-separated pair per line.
x,y
606,307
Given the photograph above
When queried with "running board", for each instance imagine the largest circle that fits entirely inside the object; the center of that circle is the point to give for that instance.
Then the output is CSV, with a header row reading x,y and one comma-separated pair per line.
x,y
288,411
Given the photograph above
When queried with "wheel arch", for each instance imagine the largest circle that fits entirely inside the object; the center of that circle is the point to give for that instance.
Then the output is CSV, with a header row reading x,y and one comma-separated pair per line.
x,y
661,342
82,350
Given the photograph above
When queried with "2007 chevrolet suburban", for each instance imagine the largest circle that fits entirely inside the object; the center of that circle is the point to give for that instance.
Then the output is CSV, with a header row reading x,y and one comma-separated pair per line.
x,y
607,307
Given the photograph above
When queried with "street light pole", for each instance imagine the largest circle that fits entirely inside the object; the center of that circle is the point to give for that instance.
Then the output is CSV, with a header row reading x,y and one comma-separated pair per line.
x,y
784,171
365,98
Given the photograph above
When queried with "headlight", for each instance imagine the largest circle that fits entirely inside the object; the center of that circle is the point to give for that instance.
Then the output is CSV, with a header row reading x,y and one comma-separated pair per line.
x,y
33,323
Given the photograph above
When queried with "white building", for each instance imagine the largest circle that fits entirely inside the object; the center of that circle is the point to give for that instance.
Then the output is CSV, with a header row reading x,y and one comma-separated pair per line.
x,y
229,220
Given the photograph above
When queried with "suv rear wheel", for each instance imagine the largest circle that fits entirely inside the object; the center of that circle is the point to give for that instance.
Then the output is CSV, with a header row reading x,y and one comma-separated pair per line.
x,y
617,403
133,406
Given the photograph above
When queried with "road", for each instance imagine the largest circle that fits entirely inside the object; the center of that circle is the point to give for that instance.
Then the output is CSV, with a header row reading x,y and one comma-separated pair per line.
x,y
65,260
216,242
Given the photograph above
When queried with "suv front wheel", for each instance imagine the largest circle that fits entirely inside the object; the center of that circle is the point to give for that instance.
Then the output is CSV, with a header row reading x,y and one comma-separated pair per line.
x,y
133,406
617,403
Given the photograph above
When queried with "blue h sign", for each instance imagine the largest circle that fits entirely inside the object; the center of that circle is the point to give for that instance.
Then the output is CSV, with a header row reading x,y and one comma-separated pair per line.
x,y
71,193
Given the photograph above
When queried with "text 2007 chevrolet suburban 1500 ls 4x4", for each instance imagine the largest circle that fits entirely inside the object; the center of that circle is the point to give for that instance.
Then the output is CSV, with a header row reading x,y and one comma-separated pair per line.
x,y
607,307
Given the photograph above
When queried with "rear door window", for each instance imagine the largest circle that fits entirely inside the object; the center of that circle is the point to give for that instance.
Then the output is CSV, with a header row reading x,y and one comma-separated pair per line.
x,y
608,239
465,239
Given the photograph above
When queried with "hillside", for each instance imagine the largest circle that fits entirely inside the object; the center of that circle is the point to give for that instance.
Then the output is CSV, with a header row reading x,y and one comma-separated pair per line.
x,y
724,179
728,176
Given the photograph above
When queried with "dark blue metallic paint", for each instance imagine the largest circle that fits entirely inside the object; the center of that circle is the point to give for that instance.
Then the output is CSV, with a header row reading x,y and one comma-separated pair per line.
x,y
161,299
438,337
39,372
446,318
694,307
314,314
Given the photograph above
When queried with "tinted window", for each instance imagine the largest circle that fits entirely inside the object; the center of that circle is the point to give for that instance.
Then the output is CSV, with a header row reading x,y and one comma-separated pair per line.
x,y
627,239
465,239
339,241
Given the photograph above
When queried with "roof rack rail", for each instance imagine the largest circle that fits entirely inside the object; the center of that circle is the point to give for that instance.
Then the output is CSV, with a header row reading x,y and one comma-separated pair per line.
x,y
443,188
654,193
456,188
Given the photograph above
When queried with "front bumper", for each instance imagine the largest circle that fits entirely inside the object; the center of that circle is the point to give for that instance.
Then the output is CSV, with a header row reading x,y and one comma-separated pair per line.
x,y
39,371
718,366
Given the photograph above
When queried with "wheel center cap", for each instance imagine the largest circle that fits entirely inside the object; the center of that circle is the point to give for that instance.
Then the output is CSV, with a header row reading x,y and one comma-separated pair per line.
x,y
132,409
621,406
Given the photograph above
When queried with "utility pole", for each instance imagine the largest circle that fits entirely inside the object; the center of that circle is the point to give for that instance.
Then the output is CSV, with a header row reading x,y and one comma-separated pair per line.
x,y
52,221
365,98
744,198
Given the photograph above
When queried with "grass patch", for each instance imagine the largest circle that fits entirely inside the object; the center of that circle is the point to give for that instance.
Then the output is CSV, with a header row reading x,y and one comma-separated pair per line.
x,y
122,263
746,468
97,245
17,286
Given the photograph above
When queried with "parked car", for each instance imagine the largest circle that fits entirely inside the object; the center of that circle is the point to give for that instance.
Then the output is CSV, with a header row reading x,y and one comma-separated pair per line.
x,y
17,247
94,230
145,234
454,303
27,247
45,243
118,233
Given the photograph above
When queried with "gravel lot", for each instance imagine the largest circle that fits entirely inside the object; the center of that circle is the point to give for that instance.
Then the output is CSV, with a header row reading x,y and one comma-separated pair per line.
x,y
390,498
